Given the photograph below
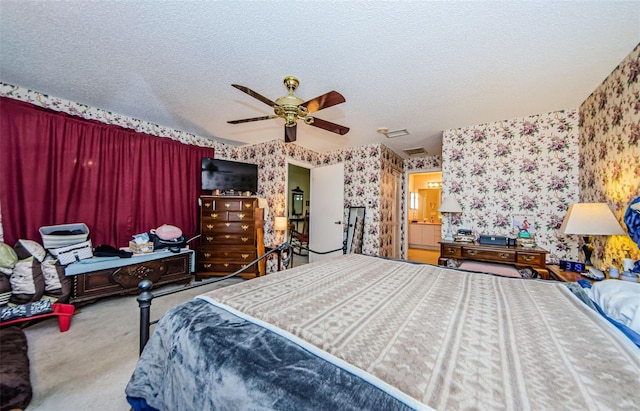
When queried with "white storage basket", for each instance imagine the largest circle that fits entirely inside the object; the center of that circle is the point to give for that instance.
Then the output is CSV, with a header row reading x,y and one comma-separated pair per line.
x,y
52,241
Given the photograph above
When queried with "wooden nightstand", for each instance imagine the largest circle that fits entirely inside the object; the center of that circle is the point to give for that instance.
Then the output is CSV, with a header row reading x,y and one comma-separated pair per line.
x,y
555,273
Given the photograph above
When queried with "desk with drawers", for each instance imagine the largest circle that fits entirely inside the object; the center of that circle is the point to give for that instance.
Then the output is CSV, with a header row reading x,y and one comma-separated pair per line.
x,y
514,255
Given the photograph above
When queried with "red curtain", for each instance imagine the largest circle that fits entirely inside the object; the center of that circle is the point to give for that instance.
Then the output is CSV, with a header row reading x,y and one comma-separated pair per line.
x,y
57,169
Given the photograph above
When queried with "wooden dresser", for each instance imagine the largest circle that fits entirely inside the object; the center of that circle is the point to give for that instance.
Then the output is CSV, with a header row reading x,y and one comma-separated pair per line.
x,y
515,255
232,229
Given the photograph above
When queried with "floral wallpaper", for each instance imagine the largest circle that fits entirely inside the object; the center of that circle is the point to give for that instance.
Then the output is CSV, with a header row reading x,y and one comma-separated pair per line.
x,y
610,152
526,166
535,165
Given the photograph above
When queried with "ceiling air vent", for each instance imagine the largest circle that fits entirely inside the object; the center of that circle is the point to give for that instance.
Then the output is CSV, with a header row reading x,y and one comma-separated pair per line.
x,y
415,151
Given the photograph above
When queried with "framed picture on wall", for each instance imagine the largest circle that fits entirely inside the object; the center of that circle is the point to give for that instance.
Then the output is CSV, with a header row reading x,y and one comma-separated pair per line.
x,y
524,222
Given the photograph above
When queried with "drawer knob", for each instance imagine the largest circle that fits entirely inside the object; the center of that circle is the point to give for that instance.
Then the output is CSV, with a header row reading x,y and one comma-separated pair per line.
x,y
226,264
210,226
472,252
207,255
207,266
247,205
528,258
227,224
241,215
214,215
245,227
244,256
227,236
209,238
227,205
451,250
245,239
207,205
504,256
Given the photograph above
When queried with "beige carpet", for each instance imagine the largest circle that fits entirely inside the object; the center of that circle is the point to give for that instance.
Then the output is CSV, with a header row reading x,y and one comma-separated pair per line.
x,y
88,367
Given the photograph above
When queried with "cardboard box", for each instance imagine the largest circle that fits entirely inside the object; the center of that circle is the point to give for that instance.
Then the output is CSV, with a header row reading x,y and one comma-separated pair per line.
x,y
140,248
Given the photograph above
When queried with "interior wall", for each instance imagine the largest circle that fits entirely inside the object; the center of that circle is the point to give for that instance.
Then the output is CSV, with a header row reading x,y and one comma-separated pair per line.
x,y
526,166
610,152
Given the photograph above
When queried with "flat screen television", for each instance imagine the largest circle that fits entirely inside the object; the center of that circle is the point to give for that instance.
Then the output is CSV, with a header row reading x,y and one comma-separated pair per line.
x,y
228,176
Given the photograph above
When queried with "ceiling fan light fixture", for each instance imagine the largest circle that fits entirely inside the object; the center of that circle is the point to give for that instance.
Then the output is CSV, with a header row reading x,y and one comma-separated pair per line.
x,y
291,108
396,133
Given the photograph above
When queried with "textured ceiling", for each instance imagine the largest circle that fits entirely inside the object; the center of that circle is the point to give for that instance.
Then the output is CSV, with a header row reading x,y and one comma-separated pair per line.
x,y
421,65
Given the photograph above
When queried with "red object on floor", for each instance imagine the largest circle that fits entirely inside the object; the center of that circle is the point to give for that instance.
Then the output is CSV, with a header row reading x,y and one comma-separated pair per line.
x,y
63,311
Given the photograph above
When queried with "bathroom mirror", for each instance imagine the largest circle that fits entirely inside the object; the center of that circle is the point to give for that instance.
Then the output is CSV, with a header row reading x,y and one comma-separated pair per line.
x,y
429,204
355,231
297,201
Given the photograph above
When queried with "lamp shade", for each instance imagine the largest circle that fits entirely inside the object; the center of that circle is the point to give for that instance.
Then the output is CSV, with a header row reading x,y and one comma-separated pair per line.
x,y
280,224
590,219
450,205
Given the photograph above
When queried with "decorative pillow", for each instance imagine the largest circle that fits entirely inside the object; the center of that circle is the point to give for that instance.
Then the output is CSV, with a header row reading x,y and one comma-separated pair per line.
x,y
27,282
8,258
29,248
50,274
65,284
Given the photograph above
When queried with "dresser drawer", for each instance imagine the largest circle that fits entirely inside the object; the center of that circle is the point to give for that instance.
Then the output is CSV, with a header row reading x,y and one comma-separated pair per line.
x,y
209,227
236,254
489,255
233,204
218,238
224,267
450,251
532,259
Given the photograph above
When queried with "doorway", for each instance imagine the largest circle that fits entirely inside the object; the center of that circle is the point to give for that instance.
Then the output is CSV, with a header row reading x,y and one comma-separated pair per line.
x,y
423,222
298,205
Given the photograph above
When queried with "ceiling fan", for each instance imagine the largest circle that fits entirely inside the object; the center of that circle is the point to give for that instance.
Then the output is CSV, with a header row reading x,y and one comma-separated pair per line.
x,y
292,108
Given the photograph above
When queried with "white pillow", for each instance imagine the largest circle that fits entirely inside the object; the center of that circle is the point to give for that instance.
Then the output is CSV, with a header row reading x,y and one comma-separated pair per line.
x,y
620,300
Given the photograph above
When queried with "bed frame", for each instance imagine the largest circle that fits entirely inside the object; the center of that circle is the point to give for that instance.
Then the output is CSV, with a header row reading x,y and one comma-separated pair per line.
x,y
284,252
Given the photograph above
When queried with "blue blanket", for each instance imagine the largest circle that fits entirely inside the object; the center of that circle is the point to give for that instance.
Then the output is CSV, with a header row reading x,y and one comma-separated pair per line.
x,y
201,357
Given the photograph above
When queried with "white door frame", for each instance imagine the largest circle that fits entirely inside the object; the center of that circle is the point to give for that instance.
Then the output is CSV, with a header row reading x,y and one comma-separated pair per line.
x,y
405,217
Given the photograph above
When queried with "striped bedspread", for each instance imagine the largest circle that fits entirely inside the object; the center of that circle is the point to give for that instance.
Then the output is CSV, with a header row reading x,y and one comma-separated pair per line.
x,y
450,339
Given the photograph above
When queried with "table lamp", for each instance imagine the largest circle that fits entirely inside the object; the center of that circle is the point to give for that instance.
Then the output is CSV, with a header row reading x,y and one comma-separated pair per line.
x,y
449,205
589,219
281,224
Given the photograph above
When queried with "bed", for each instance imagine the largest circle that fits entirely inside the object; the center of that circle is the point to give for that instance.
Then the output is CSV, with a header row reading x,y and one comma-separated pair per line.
x,y
361,332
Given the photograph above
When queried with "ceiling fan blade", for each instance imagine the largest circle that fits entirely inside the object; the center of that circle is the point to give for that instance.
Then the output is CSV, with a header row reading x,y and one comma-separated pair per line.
x,y
290,133
248,120
255,95
326,100
329,126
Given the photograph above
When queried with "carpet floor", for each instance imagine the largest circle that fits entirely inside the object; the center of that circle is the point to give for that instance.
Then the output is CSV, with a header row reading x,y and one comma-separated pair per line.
x,y
89,366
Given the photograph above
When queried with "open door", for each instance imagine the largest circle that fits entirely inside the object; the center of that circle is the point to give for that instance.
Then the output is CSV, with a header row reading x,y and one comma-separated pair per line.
x,y
326,230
